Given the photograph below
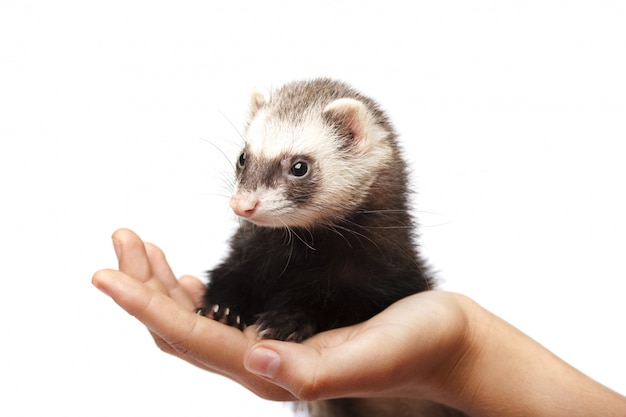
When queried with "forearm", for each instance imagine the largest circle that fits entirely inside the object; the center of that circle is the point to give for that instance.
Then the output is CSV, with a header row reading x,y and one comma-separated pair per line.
x,y
505,373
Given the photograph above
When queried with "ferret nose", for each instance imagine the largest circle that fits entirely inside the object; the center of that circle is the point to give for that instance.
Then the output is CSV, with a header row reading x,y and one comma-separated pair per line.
x,y
244,205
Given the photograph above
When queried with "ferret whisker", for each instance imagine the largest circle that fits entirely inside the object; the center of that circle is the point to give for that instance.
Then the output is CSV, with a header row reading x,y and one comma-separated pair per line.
x,y
357,234
232,125
381,211
230,163
301,239
290,244
226,196
340,219
332,227
288,234
226,183
388,242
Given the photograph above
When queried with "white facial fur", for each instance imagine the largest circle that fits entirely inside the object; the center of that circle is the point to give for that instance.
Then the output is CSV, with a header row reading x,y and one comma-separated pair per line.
x,y
344,173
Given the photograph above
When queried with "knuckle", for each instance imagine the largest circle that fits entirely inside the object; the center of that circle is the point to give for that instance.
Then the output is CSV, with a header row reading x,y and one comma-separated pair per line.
x,y
175,348
309,390
163,345
316,383
180,348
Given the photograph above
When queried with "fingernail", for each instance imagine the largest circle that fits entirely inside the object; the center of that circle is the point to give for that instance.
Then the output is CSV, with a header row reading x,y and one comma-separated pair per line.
x,y
263,362
116,248
96,281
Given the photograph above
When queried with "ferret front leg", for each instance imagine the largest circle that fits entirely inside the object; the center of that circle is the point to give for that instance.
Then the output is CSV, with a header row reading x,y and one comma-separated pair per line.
x,y
228,300
293,325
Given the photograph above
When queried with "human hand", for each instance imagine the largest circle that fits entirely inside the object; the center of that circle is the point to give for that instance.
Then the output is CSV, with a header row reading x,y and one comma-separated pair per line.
x,y
146,288
409,343
408,350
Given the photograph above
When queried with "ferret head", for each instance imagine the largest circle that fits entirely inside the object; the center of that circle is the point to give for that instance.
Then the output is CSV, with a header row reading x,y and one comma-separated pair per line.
x,y
312,152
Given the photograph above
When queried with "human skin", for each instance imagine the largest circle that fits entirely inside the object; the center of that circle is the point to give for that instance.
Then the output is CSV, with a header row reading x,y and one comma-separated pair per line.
x,y
434,345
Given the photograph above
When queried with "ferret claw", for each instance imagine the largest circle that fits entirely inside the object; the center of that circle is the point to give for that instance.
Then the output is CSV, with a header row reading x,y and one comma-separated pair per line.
x,y
223,315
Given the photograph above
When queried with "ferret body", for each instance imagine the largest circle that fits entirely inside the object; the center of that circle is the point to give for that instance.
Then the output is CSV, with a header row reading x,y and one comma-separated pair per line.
x,y
327,239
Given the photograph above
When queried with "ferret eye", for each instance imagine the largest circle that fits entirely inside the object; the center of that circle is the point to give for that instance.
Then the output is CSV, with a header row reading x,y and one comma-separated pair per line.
x,y
299,169
242,159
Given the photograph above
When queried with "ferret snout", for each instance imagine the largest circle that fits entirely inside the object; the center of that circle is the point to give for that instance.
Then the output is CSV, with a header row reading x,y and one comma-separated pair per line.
x,y
244,204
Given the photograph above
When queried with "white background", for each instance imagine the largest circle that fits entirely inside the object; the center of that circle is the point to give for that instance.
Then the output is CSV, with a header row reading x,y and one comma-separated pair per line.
x,y
512,114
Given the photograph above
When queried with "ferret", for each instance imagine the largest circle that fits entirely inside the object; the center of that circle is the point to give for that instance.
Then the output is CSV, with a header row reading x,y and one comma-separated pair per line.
x,y
326,238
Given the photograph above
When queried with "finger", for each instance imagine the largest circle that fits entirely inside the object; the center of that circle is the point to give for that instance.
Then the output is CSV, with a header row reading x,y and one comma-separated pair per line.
x,y
134,259
163,278
104,281
131,253
180,328
199,340
194,287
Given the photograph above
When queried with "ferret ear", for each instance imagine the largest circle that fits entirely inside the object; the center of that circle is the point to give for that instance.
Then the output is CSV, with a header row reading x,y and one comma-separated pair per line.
x,y
260,97
351,117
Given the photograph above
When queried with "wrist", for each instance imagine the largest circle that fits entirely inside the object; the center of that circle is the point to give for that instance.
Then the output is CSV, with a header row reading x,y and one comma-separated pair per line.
x,y
499,371
457,377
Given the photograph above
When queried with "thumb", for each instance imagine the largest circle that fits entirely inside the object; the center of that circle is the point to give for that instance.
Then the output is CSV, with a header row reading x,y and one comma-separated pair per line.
x,y
311,371
298,368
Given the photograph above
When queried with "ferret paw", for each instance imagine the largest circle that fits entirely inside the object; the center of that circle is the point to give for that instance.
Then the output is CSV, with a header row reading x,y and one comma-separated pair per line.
x,y
291,327
223,315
